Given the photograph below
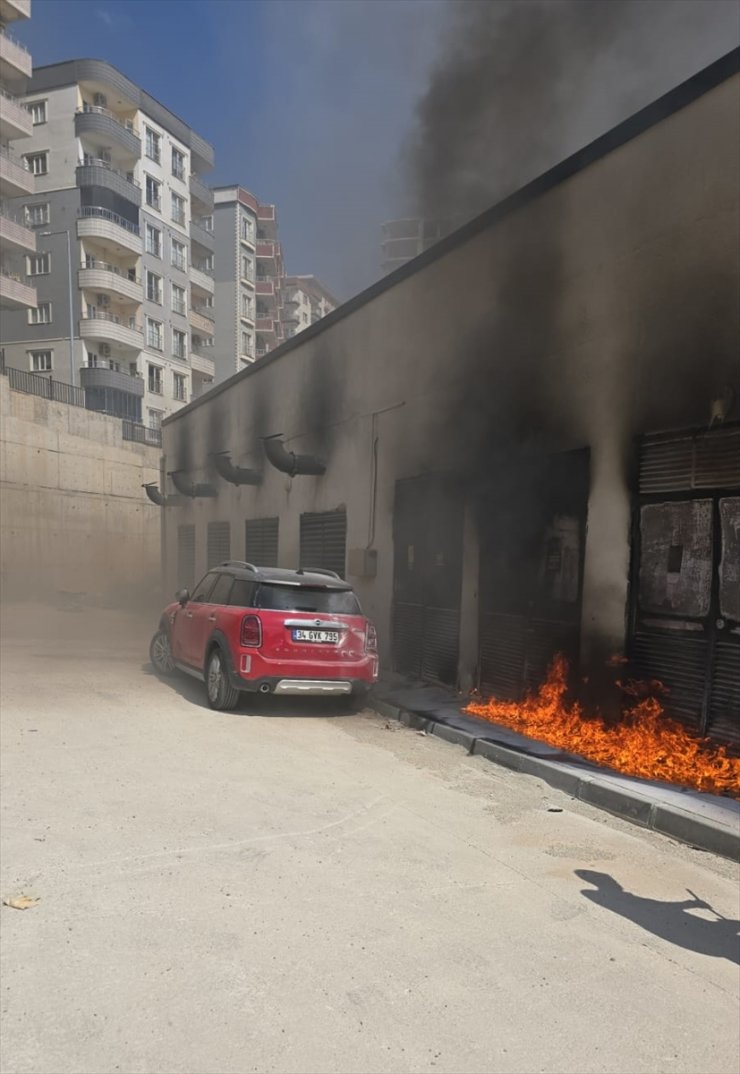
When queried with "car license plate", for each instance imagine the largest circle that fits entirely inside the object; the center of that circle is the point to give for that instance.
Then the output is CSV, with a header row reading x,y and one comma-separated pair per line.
x,y
329,637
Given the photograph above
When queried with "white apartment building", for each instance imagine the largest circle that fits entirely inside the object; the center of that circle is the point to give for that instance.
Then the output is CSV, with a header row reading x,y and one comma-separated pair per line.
x,y
305,301
17,241
119,188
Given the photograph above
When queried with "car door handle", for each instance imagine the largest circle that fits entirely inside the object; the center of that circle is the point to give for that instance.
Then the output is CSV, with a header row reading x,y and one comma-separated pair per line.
x,y
211,618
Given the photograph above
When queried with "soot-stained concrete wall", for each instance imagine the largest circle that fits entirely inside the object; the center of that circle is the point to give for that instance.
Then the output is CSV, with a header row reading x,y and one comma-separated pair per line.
x,y
600,307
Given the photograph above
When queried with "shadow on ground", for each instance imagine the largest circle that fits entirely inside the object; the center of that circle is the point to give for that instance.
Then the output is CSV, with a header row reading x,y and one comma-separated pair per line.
x,y
669,920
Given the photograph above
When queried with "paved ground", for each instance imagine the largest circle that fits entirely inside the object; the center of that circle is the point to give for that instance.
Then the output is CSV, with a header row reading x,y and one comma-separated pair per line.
x,y
287,890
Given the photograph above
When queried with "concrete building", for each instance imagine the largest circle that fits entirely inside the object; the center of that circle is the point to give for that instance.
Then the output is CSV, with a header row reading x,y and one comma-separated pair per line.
x,y
402,240
556,467
17,239
119,177
305,301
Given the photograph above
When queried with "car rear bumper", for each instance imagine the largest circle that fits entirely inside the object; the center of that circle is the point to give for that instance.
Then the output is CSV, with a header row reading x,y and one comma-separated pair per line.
x,y
254,672
287,686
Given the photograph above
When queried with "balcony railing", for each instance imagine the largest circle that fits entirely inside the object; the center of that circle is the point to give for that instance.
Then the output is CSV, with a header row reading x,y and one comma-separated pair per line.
x,y
200,192
95,109
15,117
33,384
141,434
93,211
15,54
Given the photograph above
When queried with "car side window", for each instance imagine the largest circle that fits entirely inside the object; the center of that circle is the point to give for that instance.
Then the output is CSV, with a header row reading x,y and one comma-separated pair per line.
x,y
203,589
242,593
220,594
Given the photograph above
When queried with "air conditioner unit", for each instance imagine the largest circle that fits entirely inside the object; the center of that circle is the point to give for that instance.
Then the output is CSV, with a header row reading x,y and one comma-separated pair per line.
x,y
103,300
100,100
105,349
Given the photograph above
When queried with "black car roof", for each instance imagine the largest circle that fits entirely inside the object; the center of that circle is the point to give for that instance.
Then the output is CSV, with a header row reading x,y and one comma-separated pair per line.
x,y
315,577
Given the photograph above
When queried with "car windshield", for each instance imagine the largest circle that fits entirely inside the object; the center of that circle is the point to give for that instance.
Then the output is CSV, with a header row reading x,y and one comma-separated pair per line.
x,y
287,598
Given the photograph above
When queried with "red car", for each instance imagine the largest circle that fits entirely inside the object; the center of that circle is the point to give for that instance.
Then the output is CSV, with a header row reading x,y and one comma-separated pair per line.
x,y
263,628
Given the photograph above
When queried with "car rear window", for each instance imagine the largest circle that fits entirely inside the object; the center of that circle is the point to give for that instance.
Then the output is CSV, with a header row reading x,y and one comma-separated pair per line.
x,y
288,598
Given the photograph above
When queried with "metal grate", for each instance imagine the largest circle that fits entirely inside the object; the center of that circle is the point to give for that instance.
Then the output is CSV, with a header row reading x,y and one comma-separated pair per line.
x,y
261,541
724,706
218,547
185,557
682,462
680,664
407,629
324,540
426,642
516,652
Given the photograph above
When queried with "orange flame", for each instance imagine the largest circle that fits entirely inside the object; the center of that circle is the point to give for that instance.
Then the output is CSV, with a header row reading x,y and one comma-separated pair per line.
x,y
645,743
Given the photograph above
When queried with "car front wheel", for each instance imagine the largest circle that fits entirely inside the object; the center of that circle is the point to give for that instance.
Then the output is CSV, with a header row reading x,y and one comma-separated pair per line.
x,y
221,694
160,653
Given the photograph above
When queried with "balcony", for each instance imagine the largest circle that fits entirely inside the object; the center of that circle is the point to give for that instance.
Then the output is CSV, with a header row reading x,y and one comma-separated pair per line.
x,y
15,294
15,119
10,10
267,249
108,227
110,328
265,287
202,236
15,59
200,322
202,278
99,276
14,234
201,194
99,173
264,325
99,123
103,377
15,178
205,366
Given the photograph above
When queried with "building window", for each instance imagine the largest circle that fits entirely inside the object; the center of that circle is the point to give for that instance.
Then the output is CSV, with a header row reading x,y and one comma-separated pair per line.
x,y
179,344
38,112
247,268
41,315
37,215
37,163
247,307
247,345
133,369
155,418
178,299
179,255
41,361
154,287
153,197
153,145
247,229
178,209
153,334
178,164
155,379
38,265
153,241
180,383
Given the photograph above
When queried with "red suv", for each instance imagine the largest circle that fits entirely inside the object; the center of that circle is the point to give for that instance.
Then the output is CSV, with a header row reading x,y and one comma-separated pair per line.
x,y
268,629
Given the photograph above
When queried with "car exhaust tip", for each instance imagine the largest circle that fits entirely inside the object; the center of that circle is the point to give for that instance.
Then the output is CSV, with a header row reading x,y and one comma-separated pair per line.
x,y
265,688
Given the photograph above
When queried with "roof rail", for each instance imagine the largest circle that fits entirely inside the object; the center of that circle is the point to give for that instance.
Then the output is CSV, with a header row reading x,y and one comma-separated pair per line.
x,y
240,563
320,570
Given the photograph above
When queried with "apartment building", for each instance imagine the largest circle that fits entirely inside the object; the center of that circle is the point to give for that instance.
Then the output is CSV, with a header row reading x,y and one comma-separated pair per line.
x,y
249,272
403,240
305,301
124,259
17,240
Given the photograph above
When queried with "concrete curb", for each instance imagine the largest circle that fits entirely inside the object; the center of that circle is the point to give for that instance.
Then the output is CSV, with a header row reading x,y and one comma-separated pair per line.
x,y
628,802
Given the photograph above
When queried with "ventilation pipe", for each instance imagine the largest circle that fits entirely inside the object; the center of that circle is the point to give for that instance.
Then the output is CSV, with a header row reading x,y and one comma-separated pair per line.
x,y
190,488
235,475
289,463
152,491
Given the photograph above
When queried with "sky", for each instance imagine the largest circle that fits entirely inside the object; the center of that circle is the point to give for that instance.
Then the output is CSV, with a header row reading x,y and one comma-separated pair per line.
x,y
305,101
311,104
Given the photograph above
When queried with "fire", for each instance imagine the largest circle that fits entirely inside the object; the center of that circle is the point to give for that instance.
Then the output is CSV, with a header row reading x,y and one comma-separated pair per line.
x,y
645,743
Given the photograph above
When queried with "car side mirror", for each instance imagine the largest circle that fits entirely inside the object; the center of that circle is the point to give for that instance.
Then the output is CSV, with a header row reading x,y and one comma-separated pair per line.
x,y
183,596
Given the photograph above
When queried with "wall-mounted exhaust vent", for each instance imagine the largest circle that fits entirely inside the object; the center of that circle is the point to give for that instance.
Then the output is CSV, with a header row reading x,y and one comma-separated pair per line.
x,y
289,463
235,475
190,488
154,494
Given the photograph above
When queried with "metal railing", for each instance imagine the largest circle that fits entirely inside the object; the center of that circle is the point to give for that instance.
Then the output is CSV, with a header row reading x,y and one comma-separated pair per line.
x,y
200,266
127,124
95,212
45,387
14,40
100,315
141,434
98,162
94,263
205,311
20,162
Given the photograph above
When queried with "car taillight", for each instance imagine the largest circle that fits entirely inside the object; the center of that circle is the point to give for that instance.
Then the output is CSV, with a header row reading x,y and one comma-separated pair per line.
x,y
371,639
251,632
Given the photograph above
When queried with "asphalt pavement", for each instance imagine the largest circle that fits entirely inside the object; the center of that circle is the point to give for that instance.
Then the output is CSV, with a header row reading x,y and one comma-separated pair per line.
x,y
293,888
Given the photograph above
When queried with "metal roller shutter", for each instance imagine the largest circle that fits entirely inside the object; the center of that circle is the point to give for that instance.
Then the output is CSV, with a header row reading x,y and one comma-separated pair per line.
x,y
323,541
218,548
185,557
261,541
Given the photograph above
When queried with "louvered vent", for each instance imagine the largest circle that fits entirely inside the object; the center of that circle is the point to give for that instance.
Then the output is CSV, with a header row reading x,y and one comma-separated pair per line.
x,y
261,541
218,543
670,462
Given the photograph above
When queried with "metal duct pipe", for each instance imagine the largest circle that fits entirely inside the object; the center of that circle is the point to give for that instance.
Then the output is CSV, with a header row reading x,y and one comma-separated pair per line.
x,y
152,491
288,462
190,488
235,475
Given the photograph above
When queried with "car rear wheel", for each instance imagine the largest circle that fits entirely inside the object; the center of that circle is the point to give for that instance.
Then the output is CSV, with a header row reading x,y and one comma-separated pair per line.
x,y
221,694
160,653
